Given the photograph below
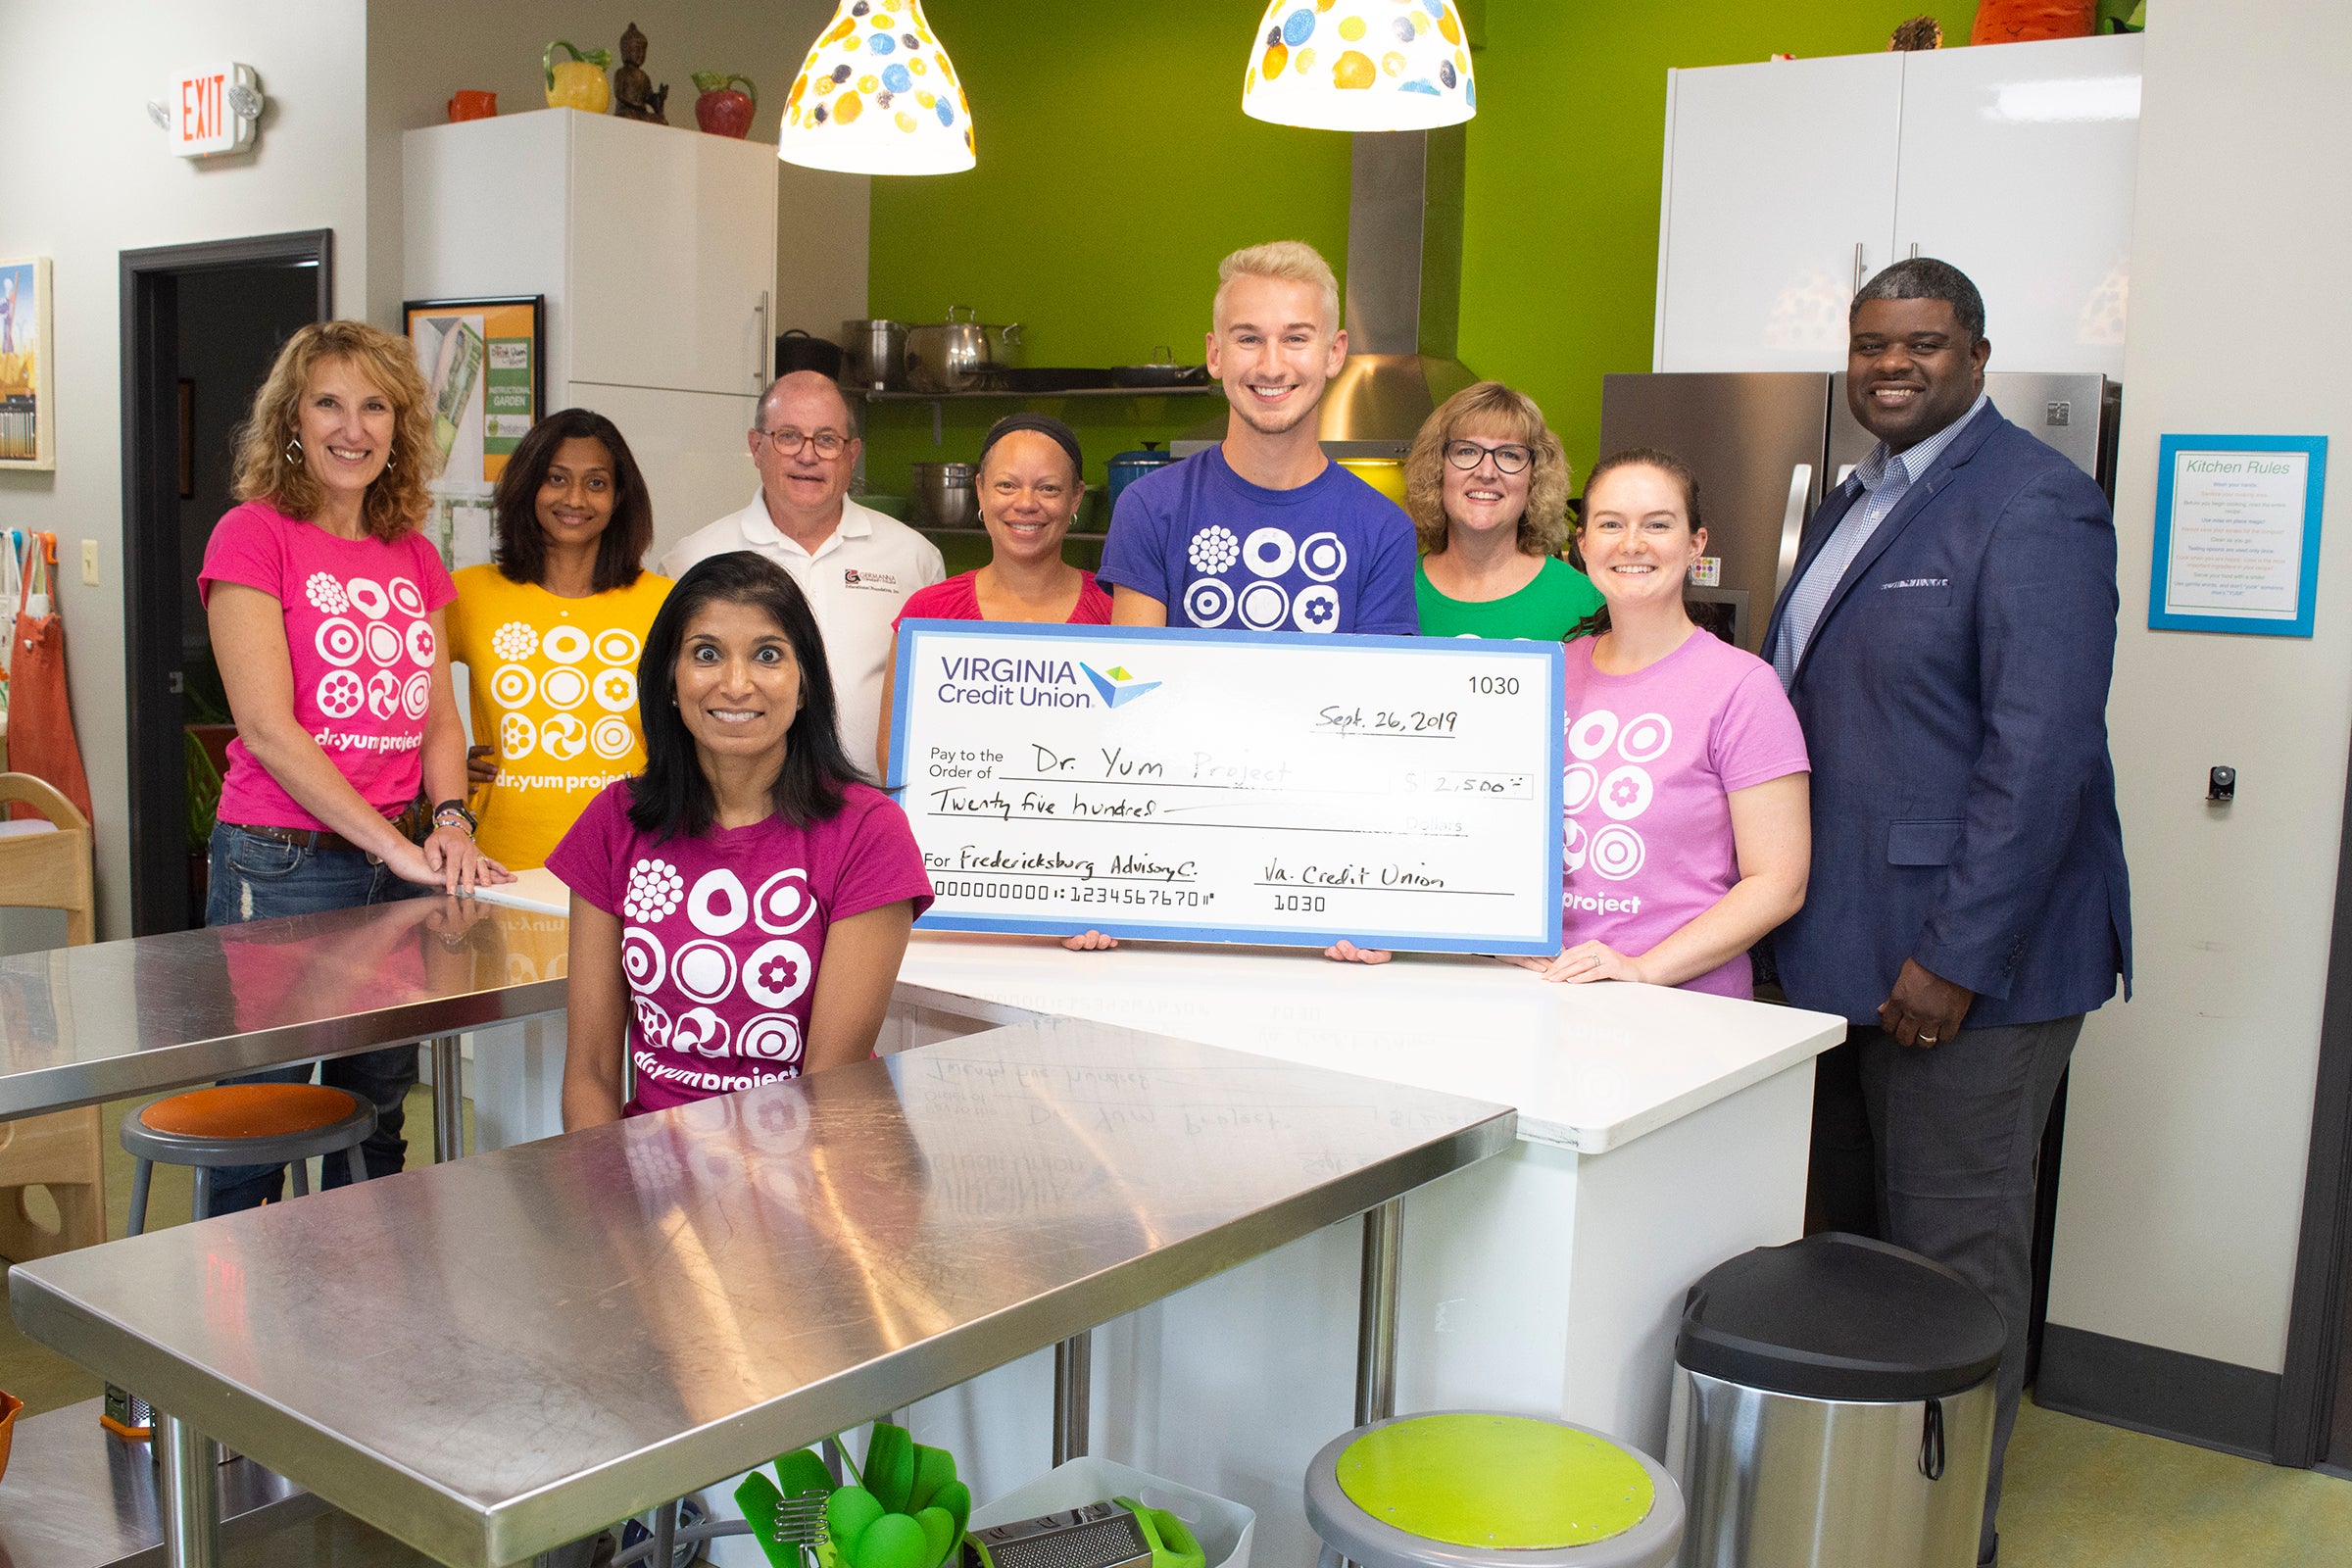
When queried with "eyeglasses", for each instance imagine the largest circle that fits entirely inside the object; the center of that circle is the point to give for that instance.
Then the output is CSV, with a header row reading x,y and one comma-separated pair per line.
x,y
787,442
1510,458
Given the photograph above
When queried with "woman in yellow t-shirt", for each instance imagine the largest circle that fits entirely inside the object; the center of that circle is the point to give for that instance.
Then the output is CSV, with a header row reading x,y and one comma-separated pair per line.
x,y
551,633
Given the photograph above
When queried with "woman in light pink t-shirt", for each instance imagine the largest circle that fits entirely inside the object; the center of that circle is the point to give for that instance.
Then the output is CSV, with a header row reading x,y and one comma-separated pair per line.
x,y
1688,833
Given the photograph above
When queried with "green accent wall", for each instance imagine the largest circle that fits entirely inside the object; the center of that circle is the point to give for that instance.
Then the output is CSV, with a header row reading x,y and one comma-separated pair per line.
x,y
1116,168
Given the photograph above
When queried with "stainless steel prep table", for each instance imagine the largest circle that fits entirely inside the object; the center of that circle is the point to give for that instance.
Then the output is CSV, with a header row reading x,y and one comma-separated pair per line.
x,y
80,1025
490,1357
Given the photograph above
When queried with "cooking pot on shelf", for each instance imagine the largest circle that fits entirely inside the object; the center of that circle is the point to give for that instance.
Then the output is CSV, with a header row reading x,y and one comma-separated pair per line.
x,y
1164,371
945,496
796,350
874,355
1129,466
956,355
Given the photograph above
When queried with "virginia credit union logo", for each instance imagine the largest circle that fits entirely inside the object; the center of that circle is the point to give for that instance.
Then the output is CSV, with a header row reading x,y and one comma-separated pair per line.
x,y
1118,688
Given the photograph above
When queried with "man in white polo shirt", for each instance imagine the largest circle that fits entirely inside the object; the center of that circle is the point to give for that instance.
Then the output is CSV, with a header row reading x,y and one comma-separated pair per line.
x,y
856,565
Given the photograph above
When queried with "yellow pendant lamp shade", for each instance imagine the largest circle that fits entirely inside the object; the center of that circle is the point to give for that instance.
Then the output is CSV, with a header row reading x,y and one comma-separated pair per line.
x,y
878,96
1360,65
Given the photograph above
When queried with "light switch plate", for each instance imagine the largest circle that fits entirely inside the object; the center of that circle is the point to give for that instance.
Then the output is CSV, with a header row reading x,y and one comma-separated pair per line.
x,y
89,563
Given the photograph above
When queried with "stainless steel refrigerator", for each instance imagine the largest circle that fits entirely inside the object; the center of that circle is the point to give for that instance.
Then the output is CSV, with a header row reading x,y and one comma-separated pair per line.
x,y
1767,444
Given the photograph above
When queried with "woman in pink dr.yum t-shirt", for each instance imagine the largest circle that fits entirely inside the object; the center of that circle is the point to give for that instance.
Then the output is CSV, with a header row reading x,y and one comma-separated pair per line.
x,y
324,606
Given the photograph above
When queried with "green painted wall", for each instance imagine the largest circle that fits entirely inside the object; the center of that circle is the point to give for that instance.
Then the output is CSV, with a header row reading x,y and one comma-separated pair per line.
x,y
1116,167
1566,157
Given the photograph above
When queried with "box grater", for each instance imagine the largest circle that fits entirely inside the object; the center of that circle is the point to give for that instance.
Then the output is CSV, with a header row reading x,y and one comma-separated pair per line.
x,y
1100,1535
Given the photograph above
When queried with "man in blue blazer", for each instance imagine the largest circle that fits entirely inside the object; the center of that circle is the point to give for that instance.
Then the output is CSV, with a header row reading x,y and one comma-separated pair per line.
x,y
1947,639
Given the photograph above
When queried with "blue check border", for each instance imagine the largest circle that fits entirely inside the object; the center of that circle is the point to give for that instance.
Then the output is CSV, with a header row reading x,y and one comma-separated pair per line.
x,y
1552,656
2168,454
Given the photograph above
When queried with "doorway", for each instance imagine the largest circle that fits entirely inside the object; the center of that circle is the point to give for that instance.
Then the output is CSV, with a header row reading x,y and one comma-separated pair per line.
x,y
201,325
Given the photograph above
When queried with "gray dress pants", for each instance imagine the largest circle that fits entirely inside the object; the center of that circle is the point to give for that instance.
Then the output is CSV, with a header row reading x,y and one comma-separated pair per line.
x,y
1958,1129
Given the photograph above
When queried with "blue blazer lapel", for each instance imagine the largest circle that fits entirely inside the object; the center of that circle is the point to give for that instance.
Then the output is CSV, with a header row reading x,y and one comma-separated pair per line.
x,y
1823,523
1914,502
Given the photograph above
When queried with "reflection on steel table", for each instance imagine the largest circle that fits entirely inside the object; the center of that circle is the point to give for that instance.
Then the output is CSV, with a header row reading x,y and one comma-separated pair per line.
x,y
81,1025
493,1357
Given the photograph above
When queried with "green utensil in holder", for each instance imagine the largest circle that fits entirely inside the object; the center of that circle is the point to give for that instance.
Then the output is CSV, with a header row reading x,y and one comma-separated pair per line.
x,y
907,1509
1171,1540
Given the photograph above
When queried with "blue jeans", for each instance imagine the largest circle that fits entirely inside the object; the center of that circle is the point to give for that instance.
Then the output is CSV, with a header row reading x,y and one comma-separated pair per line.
x,y
256,878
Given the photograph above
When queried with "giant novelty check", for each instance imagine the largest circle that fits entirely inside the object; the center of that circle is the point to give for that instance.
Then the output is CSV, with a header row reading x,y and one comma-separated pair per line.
x,y
1399,791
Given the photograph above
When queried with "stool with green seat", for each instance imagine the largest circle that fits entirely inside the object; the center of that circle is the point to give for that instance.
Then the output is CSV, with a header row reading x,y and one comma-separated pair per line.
x,y
243,1124
1475,1488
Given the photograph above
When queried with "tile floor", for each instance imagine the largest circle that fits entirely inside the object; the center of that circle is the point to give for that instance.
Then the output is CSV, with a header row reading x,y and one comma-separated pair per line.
x,y
2081,1494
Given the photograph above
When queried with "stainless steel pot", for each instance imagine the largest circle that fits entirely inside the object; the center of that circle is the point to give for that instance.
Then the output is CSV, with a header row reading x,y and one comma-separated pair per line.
x,y
874,355
946,495
958,354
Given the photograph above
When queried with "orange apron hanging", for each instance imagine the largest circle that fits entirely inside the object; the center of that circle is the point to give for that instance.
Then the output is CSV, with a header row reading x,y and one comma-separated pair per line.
x,y
40,722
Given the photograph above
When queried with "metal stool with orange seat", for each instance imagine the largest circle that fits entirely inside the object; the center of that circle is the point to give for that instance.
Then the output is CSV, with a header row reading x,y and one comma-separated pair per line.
x,y
243,1124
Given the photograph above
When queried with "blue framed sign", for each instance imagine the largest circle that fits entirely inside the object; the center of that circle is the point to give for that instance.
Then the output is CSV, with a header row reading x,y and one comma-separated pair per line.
x,y
1231,786
2238,533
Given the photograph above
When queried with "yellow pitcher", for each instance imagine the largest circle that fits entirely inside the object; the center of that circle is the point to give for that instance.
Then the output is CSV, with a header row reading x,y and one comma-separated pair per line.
x,y
579,83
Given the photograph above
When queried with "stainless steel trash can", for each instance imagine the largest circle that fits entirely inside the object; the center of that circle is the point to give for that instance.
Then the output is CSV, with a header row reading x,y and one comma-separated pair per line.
x,y
1833,1408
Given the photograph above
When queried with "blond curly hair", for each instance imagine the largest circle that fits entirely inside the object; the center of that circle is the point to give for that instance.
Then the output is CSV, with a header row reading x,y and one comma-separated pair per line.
x,y
1492,409
396,501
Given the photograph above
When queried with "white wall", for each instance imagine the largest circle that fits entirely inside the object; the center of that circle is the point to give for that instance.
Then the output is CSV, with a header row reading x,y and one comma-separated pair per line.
x,y
88,176
422,51
2189,1114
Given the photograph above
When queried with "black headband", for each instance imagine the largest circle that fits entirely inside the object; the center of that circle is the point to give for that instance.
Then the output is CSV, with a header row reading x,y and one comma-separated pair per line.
x,y
1044,424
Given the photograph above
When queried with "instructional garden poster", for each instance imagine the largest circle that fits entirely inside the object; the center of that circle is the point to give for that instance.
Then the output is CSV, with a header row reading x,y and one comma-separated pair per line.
x,y
480,365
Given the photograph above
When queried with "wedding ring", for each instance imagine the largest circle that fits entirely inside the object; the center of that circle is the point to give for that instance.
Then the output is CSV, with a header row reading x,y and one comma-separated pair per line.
x,y
1926,1040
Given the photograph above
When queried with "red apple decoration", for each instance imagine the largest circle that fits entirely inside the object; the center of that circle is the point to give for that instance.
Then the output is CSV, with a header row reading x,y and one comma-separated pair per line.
x,y
722,110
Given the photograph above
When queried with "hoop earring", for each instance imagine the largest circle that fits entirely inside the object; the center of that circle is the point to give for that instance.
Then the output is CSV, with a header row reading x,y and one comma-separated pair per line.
x,y
293,449
391,459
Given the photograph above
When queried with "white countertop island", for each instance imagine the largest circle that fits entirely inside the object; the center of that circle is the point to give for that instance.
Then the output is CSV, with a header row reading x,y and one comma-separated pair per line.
x,y
1662,1132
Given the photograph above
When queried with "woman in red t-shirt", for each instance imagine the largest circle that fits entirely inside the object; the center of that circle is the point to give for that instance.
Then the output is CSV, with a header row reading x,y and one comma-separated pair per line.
x,y
1029,481
739,909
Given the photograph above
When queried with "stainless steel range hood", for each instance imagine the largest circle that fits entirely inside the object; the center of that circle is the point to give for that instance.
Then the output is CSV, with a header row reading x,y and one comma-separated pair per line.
x,y
1404,296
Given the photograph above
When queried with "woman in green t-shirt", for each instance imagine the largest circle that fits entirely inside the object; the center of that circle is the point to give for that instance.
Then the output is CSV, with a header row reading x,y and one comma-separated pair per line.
x,y
1487,484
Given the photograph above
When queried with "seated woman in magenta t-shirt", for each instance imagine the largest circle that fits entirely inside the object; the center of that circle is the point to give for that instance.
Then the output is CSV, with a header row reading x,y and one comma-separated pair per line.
x,y
1687,833
739,909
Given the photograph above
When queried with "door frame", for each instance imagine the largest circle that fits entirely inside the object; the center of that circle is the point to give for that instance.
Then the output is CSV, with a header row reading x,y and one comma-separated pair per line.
x,y
151,534
2315,1325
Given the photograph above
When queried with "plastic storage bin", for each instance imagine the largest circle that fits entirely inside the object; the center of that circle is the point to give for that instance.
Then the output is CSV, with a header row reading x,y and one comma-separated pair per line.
x,y
1222,1527
1833,1408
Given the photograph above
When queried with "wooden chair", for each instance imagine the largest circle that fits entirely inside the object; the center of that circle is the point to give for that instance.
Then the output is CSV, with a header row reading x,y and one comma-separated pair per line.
x,y
64,1153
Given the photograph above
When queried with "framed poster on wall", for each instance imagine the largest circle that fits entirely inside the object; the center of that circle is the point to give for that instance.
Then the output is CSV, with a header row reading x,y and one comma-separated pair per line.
x,y
2238,533
484,365
27,398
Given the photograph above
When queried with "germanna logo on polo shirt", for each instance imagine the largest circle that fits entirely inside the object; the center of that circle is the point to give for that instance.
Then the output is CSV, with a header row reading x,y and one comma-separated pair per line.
x,y
879,581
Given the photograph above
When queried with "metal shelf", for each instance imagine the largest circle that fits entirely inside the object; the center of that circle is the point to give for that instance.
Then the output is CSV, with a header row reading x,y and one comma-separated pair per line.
x,y
935,399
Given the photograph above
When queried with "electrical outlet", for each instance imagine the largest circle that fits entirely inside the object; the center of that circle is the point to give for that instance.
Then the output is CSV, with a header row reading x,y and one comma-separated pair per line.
x,y
89,563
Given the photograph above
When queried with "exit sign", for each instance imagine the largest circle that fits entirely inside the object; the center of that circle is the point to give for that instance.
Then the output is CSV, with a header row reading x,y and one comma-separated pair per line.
x,y
214,110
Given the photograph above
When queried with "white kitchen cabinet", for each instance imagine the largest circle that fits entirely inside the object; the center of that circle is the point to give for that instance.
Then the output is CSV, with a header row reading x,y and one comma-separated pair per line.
x,y
1776,175
673,256
2018,167
654,246
2014,162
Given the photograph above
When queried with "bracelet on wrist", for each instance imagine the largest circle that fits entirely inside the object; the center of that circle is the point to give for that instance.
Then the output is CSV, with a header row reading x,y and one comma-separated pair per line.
x,y
453,813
